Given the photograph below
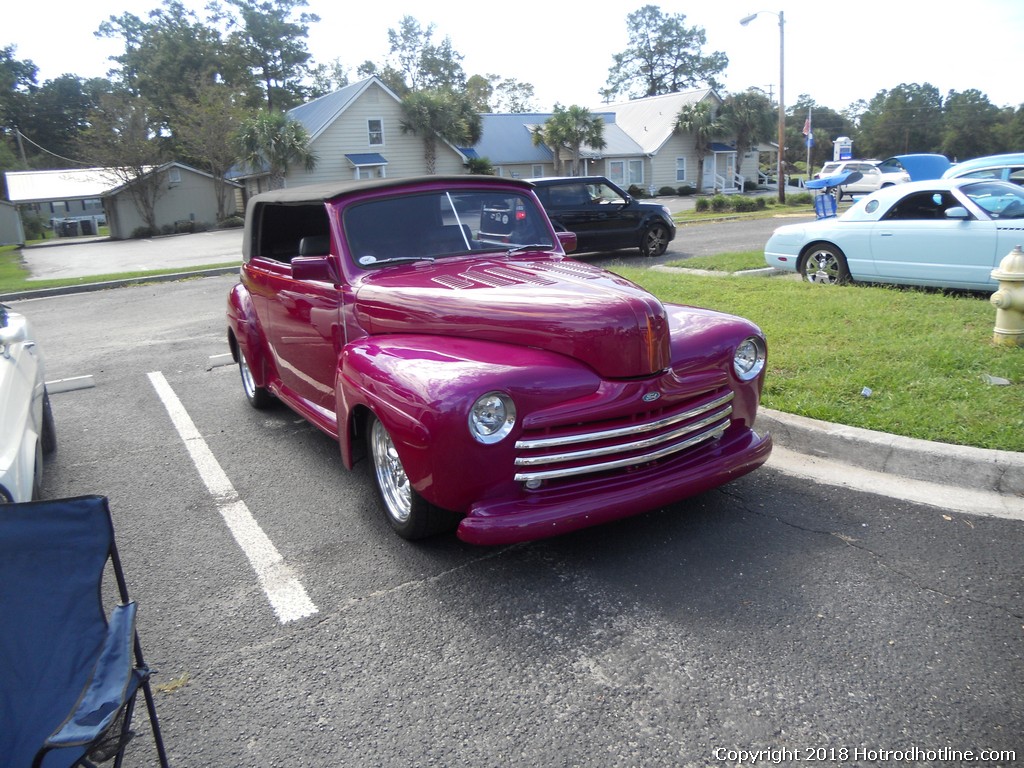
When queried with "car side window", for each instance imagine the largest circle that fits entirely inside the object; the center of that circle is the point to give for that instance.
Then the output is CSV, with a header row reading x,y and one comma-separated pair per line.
x,y
922,206
605,195
569,196
282,229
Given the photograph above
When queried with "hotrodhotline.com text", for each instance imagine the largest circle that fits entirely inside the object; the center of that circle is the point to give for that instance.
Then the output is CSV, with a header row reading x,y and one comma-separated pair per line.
x,y
833,755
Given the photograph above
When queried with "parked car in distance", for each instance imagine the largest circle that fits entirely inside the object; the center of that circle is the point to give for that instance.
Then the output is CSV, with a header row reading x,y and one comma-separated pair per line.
x,y
920,166
1008,167
871,178
604,217
943,233
26,420
495,385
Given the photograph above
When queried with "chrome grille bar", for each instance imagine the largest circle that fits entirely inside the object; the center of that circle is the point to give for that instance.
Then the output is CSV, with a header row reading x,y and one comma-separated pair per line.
x,y
620,448
668,450
541,443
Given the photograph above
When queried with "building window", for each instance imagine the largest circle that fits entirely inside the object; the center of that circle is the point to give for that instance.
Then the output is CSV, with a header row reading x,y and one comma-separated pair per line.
x,y
680,169
537,170
617,172
636,172
375,130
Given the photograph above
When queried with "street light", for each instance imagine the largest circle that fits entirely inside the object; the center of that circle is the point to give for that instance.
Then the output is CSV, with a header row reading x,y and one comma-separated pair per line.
x,y
782,109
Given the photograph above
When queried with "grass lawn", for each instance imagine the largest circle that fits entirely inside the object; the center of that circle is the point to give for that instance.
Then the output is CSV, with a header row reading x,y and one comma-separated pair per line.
x,y
924,355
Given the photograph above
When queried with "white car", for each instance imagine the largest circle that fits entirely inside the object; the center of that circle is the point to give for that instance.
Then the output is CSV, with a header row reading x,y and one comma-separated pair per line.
x,y
26,419
871,177
940,233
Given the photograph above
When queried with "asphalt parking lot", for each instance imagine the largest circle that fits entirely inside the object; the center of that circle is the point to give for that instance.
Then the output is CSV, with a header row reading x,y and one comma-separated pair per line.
x,y
773,614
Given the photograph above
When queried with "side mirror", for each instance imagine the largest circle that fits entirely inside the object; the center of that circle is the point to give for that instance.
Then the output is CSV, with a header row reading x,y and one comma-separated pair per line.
x,y
957,212
567,240
313,268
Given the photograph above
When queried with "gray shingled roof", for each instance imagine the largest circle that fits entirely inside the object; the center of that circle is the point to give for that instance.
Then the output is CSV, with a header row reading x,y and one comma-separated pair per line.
x,y
507,139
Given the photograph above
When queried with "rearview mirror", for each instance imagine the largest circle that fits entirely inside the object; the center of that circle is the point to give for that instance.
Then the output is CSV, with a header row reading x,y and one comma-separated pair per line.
x,y
957,212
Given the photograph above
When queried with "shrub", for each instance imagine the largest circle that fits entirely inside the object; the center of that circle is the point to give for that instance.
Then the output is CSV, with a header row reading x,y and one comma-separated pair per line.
x,y
744,204
719,203
636,191
34,226
667,191
685,191
231,222
141,233
800,198
702,205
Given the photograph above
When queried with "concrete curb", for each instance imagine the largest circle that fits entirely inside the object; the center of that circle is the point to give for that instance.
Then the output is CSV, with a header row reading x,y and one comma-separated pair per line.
x,y
993,471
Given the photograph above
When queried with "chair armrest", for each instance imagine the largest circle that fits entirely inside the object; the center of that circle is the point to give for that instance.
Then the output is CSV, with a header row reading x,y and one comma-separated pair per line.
x,y
113,682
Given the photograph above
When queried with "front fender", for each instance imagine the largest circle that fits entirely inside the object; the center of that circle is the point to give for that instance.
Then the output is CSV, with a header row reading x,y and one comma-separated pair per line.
x,y
422,389
245,333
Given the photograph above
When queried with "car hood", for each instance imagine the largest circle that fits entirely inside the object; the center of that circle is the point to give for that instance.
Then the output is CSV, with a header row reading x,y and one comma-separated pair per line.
x,y
561,305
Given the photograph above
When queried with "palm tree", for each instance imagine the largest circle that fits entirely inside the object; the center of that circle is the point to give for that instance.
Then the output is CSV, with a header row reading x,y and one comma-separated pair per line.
x,y
581,129
270,142
551,136
570,128
440,116
699,121
749,117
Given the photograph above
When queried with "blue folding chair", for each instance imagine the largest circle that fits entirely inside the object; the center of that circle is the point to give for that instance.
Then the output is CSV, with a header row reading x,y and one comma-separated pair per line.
x,y
68,676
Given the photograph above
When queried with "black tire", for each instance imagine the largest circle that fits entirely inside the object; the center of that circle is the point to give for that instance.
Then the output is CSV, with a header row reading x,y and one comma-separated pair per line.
x,y
259,398
825,264
48,430
654,241
409,514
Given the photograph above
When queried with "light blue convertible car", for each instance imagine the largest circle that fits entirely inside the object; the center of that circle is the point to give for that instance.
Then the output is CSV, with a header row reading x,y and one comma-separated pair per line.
x,y
942,233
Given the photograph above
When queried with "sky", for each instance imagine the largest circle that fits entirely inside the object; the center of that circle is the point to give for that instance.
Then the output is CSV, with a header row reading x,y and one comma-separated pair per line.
x,y
837,53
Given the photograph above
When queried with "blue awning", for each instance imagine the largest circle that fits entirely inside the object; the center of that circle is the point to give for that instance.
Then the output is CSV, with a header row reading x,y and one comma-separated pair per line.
x,y
717,147
369,158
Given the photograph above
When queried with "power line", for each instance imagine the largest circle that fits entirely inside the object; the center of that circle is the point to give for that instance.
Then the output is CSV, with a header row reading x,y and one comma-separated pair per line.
x,y
44,149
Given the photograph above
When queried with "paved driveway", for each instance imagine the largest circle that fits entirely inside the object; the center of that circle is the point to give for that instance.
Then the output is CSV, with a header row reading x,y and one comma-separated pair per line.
x,y
100,256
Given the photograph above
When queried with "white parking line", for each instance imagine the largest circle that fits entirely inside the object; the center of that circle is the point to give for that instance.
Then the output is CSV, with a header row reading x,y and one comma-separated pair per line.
x,y
287,596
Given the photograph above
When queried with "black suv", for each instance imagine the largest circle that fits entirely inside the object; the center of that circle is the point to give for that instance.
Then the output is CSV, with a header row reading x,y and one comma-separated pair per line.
x,y
604,217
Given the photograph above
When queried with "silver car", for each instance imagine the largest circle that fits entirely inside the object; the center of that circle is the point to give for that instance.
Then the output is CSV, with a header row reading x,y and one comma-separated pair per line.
x,y
26,420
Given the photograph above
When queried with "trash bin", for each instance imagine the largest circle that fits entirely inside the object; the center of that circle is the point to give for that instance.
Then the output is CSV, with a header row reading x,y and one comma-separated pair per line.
x,y
68,228
86,227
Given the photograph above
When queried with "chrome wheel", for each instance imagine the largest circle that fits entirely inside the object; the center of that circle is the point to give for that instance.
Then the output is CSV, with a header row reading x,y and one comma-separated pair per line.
x,y
258,397
391,478
409,514
825,265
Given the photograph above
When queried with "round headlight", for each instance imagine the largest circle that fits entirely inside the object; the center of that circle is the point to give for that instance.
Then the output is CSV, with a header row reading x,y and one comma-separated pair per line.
x,y
492,417
748,359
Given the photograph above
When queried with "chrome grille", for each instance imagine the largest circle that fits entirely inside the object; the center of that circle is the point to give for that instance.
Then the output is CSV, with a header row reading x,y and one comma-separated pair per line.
x,y
601,448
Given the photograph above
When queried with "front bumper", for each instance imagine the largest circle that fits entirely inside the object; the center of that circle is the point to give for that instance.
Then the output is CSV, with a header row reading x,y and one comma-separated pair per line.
x,y
542,514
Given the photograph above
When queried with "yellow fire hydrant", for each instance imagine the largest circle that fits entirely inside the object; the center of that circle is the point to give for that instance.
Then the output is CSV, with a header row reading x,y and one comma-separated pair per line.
x,y
1009,299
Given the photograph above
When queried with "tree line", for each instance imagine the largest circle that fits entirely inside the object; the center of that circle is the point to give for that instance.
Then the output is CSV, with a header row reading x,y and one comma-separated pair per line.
x,y
212,92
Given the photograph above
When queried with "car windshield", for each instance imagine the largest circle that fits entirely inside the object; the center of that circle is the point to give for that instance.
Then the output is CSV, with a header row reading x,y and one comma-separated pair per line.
x,y
442,223
998,199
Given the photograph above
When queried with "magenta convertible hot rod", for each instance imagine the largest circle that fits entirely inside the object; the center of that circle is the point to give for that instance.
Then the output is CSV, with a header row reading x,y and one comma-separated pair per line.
x,y
436,326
